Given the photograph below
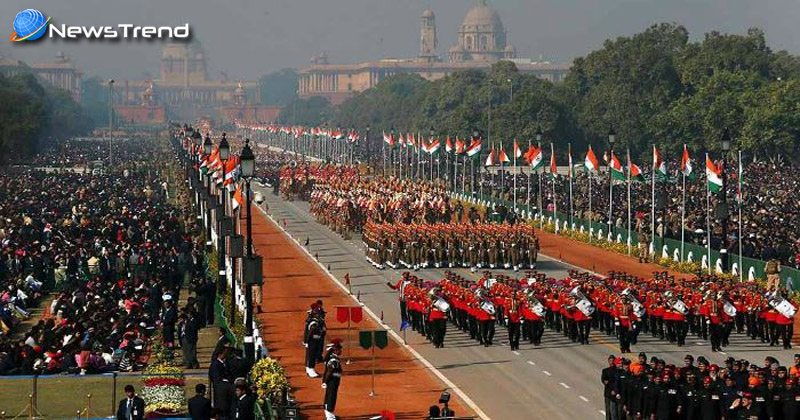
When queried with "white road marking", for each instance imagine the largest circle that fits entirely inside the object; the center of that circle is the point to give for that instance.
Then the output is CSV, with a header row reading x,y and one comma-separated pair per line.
x,y
722,352
547,373
564,385
531,363
516,352
699,343
396,337
602,412
583,398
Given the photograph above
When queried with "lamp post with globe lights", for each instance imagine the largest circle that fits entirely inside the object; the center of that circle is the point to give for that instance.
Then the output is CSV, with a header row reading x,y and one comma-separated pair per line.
x,y
252,265
224,227
612,137
723,215
207,151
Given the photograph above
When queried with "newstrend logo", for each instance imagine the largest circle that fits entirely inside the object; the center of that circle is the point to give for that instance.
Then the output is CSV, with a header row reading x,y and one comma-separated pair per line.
x,y
31,24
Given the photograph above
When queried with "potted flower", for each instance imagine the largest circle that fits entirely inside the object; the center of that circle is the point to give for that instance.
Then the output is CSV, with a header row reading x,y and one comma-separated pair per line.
x,y
163,391
270,380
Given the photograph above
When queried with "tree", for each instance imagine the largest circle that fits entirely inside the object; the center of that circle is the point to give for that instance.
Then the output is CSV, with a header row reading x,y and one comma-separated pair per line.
x,y
278,88
313,111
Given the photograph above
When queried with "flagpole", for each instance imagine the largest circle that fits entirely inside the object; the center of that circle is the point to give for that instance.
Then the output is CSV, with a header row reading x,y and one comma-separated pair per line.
x,y
384,155
591,215
514,152
569,162
708,220
629,201
683,214
540,212
528,190
653,204
610,198
741,203
553,181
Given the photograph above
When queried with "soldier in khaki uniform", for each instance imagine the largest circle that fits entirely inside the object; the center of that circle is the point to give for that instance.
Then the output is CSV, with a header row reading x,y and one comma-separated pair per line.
x,y
643,246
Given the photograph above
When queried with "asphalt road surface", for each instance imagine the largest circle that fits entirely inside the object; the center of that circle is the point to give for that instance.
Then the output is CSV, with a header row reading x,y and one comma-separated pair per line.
x,y
557,380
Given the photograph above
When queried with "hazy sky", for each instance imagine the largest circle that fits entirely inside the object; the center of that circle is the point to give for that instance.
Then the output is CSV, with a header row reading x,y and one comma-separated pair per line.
x,y
248,38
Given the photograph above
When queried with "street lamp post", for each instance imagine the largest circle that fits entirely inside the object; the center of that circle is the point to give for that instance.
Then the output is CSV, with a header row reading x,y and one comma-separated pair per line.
x,y
722,212
110,118
247,161
207,151
369,154
612,137
223,226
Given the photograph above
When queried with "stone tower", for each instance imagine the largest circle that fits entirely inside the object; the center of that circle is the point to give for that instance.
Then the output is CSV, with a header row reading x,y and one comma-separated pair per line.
x,y
428,42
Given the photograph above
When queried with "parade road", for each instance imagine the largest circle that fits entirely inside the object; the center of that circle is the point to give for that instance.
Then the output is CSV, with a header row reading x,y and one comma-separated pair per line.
x,y
558,380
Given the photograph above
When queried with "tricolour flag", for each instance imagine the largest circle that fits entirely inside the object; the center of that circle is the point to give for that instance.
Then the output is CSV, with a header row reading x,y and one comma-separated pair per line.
x,y
686,163
461,147
502,157
659,166
433,146
448,145
517,151
534,157
238,198
474,148
553,166
616,168
590,163
713,175
389,139
635,171
490,160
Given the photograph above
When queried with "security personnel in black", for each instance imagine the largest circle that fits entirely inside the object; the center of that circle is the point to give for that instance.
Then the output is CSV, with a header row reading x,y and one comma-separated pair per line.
x,y
623,388
315,329
651,393
728,394
635,395
132,406
790,400
689,406
331,380
710,400
667,405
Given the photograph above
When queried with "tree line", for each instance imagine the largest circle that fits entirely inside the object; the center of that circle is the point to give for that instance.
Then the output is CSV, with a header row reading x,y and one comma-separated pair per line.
x,y
655,87
32,112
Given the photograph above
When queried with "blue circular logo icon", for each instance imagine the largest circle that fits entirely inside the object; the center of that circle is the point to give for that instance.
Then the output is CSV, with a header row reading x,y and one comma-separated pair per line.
x,y
29,25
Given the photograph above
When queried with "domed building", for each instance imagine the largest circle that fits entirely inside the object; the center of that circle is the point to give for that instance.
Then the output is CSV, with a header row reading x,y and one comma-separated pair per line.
x,y
482,41
481,37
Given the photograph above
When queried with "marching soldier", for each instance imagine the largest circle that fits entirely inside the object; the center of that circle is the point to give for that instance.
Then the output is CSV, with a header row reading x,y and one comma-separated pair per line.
x,y
513,315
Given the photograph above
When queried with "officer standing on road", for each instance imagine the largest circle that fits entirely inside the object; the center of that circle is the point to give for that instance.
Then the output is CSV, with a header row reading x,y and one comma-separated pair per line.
x,y
331,380
315,330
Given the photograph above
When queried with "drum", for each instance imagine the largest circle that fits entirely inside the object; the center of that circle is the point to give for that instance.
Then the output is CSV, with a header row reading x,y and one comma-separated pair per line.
x,y
681,307
638,309
585,306
489,283
539,309
783,306
441,305
488,307
729,309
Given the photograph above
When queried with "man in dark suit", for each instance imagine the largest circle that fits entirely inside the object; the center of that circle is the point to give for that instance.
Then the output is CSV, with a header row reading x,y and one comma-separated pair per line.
x,y
243,406
131,407
222,342
199,405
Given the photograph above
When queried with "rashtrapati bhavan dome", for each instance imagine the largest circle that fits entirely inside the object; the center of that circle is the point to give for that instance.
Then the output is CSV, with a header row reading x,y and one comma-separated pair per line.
x,y
481,42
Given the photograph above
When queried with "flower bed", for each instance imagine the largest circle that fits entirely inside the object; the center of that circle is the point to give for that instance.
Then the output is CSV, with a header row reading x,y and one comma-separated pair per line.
x,y
163,391
270,379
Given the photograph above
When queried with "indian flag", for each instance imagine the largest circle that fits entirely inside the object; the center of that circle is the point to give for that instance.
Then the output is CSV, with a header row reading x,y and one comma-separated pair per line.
x,y
590,163
535,157
659,166
502,156
490,161
475,148
433,147
686,163
553,166
388,139
713,175
635,171
448,145
517,151
616,168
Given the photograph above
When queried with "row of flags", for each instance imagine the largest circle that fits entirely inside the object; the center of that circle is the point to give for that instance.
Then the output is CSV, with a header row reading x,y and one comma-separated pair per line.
x,y
534,156
226,175
299,131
